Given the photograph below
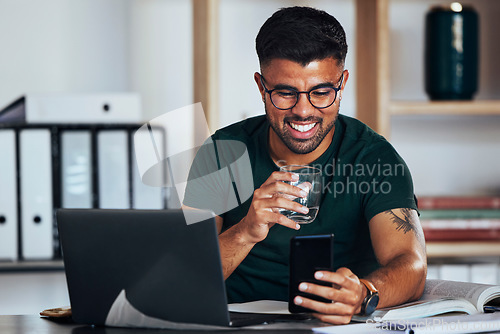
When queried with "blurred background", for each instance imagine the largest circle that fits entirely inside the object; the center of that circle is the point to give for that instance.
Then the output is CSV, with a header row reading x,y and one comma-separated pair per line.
x,y
146,46
149,47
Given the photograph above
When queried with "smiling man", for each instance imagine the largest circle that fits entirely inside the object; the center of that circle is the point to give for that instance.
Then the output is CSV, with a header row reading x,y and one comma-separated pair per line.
x,y
368,201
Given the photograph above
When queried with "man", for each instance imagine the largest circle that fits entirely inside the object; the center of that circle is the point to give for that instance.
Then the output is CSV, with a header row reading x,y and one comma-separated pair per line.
x,y
368,201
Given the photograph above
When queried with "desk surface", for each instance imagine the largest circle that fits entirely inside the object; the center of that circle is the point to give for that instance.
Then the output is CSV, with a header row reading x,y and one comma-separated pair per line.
x,y
36,324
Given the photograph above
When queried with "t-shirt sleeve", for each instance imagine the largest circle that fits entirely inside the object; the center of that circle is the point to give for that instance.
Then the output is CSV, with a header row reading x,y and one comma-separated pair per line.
x,y
205,186
220,177
385,182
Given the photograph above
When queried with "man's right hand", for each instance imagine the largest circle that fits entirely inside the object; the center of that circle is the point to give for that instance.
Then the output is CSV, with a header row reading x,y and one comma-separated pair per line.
x,y
274,194
267,200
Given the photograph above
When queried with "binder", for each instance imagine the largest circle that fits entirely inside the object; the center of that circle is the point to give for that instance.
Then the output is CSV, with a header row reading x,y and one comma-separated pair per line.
x,y
76,169
8,195
146,196
113,169
73,108
35,168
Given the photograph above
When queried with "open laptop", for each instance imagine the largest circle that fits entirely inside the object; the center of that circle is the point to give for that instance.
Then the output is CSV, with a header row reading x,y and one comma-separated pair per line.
x,y
167,269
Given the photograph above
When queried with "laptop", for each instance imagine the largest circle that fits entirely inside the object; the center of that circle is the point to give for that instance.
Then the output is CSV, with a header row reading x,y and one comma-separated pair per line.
x,y
163,267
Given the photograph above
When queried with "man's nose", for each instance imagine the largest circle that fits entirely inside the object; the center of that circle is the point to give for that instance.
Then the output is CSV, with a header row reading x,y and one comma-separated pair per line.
x,y
303,108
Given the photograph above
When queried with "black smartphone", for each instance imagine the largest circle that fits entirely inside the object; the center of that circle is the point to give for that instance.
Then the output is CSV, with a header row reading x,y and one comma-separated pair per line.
x,y
308,254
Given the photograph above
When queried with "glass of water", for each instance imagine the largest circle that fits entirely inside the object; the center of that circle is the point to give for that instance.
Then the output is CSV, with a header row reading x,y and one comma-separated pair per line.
x,y
310,181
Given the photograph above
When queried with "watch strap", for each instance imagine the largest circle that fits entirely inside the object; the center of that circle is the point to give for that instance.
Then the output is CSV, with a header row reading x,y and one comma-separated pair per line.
x,y
371,300
369,285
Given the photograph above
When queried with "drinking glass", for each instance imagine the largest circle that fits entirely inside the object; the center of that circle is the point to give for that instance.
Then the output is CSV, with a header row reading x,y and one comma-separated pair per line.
x,y
310,180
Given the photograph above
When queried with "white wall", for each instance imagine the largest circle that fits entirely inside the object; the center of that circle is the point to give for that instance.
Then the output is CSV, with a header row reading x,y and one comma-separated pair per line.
x,y
161,60
161,68
62,46
98,46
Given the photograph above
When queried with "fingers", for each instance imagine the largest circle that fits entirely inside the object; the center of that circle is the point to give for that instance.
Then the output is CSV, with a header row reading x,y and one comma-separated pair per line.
x,y
268,200
343,290
281,176
306,186
338,295
284,221
275,202
274,196
277,184
272,189
343,278
276,218
265,212
333,308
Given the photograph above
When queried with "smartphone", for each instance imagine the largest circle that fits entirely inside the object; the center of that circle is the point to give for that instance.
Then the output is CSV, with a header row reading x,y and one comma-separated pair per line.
x,y
308,254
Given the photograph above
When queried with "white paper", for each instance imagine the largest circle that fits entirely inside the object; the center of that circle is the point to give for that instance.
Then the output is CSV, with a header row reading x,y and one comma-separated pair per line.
x,y
460,328
123,314
260,306
353,329
478,323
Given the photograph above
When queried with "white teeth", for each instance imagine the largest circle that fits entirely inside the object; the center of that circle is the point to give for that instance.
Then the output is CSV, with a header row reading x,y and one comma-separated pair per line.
x,y
302,128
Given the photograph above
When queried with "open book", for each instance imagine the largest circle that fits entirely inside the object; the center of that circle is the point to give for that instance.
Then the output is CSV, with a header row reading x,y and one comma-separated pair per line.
x,y
441,297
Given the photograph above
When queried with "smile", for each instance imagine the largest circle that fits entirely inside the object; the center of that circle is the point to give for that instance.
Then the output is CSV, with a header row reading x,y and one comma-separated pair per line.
x,y
302,128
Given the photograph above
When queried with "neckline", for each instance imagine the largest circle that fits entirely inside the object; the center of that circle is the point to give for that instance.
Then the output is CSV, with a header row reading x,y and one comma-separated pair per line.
x,y
332,149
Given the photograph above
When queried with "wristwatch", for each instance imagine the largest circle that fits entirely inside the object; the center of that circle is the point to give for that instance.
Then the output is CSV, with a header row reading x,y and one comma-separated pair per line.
x,y
370,302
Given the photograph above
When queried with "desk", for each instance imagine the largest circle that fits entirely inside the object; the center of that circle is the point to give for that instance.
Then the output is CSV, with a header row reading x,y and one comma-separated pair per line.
x,y
35,324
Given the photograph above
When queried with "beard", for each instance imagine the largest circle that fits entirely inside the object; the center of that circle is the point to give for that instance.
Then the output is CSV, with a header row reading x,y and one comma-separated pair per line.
x,y
300,146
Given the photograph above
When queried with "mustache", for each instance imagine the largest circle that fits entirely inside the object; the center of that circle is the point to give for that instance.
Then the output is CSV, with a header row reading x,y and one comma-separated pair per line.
x,y
299,119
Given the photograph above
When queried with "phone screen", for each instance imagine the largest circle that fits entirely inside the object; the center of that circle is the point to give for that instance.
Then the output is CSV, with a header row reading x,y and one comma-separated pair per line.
x,y
308,254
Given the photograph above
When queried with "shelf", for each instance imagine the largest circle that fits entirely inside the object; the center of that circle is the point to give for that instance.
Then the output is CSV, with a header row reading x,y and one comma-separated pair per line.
x,y
31,266
466,108
463,249
378,39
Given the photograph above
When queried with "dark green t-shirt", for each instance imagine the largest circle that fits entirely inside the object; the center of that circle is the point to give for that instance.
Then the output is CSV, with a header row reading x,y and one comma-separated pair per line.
x,y
363,175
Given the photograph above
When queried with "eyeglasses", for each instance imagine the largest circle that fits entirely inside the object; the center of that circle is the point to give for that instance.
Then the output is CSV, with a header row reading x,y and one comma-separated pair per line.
x,y
286,98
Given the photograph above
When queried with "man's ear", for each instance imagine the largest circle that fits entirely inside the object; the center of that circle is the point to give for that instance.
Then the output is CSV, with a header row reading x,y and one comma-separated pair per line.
x,y
256,77
344,81
346,77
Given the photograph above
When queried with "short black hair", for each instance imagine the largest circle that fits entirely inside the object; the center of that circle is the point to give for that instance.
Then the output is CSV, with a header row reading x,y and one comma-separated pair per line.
x,y
301,34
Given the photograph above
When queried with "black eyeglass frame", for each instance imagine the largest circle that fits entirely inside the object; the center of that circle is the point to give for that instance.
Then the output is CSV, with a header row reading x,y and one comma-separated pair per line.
x,y
297,93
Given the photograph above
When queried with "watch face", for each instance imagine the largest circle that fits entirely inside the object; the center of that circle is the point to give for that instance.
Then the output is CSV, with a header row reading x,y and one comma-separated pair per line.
x,y
371,304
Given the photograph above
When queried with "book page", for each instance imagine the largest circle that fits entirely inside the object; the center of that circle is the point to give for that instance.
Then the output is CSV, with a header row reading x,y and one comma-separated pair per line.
x,y
477,294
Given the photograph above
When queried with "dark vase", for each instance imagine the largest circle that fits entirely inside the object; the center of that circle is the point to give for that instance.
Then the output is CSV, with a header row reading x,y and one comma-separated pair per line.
x,y
451,53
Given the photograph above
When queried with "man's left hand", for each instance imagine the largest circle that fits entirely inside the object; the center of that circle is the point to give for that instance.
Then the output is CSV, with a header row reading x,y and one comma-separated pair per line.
x,y
346,294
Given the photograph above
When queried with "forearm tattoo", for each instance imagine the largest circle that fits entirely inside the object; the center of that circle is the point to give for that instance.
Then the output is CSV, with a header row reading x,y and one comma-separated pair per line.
x,y
405,223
